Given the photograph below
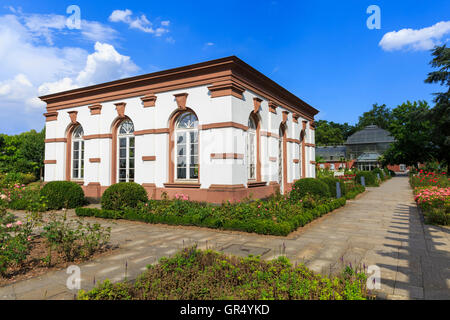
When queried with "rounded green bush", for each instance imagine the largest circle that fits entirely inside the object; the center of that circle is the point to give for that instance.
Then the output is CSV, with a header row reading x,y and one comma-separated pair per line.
x,y
123,195
63,194
312,186
369,176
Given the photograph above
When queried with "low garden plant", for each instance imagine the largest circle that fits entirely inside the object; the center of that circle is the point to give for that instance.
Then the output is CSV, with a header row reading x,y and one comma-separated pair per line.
x,y
208,275
14,239
74,239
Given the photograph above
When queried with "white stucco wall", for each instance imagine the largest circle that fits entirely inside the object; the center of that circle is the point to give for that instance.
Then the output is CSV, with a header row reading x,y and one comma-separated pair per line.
x,y
220,140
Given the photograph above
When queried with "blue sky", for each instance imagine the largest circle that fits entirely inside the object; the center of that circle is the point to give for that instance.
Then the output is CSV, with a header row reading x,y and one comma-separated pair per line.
x,y
322,52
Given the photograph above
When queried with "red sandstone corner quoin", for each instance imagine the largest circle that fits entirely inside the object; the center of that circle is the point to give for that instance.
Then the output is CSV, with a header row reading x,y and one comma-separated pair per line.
x,y
227,77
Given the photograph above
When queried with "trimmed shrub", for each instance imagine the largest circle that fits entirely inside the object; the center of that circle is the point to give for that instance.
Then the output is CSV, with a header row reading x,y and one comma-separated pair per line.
x,y
369,177
123,195
63,194
380,172
314,187
331,183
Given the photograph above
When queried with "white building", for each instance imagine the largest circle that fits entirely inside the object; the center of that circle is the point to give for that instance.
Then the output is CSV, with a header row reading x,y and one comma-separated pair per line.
x,y
217,130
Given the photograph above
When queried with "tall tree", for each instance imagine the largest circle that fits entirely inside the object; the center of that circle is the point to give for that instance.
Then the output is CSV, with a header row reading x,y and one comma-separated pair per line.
x,y
439,115
22,153
378,115
327,133
411,131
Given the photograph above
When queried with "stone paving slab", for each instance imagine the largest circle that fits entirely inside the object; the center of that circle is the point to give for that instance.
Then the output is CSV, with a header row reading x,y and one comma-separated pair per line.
x,y
381,227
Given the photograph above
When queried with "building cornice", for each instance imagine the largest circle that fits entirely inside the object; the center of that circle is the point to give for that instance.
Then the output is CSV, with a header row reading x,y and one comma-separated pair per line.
x,y
206,73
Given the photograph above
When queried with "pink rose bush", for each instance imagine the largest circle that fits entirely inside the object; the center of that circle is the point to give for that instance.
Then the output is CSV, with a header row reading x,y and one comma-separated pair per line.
x,y
181,196
435,203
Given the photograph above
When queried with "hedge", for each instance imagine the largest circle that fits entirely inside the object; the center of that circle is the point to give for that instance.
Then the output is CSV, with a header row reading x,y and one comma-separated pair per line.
x,y
310,186
196,218
380,172
123,195
354,192
63,194
331,183
369,177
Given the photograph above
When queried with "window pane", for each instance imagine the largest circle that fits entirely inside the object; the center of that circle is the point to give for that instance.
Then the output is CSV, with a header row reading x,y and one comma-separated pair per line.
x,y
187,120
76,145
194,160
181,161
122,142
131,164
181,172
131,174
193,174
122,163
75,173
131,142
75,164
194,137
181,138
181,150
131,155
123,153
122,174
194,149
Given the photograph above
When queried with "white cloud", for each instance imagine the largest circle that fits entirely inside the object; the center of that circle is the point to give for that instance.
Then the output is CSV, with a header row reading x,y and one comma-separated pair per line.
x,y
30,68
49,26
140,23
120,15
95,31
105,64
421,39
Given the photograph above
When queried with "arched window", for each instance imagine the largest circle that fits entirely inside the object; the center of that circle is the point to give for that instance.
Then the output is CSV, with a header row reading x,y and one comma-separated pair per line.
x,y
125,145
280,155
251,149
186,147
302,165
78,153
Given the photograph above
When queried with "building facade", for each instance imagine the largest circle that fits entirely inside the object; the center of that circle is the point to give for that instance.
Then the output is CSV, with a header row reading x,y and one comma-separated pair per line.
x,y
215,131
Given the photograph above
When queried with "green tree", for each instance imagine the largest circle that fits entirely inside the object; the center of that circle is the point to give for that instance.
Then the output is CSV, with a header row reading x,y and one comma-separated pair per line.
x,y
411,130
22,153
328,134
32,149
378,115
439,115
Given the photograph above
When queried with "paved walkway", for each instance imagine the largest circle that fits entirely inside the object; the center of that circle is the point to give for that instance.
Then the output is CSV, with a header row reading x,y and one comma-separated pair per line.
x,y
381,227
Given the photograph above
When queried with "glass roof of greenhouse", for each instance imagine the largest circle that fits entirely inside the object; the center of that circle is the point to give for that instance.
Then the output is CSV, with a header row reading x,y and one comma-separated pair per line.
x,y
334,151
368,156
370,134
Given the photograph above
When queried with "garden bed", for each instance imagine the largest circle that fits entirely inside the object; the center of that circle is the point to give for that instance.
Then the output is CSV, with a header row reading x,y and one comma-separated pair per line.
x,y
272,217
207,275
35,264
432,195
